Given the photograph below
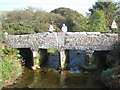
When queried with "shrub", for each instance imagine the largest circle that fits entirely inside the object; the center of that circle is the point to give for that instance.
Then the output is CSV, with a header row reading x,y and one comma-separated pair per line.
x,y
97,22
108,78
75,21
10,64
90,67
18,28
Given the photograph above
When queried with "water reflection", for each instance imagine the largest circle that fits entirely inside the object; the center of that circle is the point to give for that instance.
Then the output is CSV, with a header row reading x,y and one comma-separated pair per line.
x,y
77,71
62,80
51,78
76,60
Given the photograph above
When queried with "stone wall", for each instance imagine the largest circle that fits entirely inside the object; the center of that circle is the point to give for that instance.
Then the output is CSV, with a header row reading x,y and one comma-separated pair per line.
x,y
70,40
91,41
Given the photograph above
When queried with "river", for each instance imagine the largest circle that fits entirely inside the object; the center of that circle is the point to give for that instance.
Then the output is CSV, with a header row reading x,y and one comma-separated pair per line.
x,y
50,77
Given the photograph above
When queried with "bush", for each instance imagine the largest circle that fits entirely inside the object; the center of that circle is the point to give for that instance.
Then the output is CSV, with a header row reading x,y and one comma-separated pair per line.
x,y
10,64
75,21
90,67
37,20
112,58
97,22
108,78
18,28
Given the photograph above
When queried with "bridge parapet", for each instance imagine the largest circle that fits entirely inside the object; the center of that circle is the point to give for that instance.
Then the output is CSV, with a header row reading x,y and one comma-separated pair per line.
x,y
70,40
91,41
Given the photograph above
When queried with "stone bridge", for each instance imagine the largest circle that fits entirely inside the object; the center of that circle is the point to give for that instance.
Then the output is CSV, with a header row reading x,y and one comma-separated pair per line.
x,y
88,41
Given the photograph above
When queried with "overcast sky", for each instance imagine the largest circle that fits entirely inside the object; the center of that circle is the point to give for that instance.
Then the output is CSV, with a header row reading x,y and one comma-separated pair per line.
x,y
81,6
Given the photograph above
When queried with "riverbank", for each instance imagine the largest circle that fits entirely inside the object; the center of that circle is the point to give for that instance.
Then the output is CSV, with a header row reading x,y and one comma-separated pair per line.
x,y
10,65
9,82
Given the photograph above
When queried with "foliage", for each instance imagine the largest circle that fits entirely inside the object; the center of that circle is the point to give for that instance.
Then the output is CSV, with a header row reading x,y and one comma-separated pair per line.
x,y
8,52
111,11
51,51
109,58
108,78
10,66
97,22
18,28
37,20
102,15
118,16
90,67
113,57
75,21
57,20
1,35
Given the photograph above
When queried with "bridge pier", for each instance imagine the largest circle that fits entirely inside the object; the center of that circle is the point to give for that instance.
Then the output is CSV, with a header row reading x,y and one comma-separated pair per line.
x,y
89,58
39,57
36,57
63,58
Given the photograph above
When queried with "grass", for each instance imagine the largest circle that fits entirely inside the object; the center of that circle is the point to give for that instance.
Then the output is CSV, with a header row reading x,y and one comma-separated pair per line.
x,y
10,69
51,51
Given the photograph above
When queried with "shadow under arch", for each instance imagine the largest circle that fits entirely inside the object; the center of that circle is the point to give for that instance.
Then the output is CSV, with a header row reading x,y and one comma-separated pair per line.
x,y
27,57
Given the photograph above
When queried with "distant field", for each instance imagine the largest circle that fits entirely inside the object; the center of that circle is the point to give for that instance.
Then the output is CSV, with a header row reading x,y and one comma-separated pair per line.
x,y
3,13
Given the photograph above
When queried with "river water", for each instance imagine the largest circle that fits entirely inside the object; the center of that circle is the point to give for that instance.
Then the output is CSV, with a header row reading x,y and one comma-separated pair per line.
x,y
47,77
51,78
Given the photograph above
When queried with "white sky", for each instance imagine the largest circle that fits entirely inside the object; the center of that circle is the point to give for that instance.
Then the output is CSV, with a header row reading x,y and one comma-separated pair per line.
x,y
81,6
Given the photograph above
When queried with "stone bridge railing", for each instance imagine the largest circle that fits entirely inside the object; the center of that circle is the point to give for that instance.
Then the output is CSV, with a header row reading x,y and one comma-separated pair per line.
x,y
61,41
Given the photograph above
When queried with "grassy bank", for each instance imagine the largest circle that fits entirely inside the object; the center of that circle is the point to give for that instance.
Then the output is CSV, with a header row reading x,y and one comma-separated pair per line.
x,y
10,63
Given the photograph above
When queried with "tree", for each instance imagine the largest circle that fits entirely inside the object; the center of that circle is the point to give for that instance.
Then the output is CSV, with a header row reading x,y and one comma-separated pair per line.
x,y
97,22
35,18
74,20
109,8
118,16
